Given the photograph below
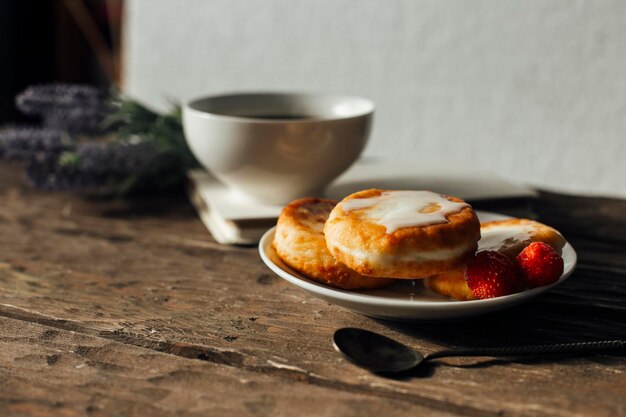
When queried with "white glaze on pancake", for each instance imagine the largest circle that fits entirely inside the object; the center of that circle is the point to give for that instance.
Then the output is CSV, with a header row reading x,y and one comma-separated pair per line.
x,y
399,209
499,237
314,225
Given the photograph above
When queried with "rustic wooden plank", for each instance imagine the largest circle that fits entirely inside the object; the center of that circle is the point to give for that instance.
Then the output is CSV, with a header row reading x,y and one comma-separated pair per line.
x,y
151,277
48,371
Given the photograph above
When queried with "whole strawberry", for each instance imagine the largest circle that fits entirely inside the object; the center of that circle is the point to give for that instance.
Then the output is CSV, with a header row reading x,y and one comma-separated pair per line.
x,y
539,264
491,274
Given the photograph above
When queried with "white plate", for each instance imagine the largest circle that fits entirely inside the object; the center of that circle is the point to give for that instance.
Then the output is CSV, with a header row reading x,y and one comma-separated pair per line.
x,y
407,300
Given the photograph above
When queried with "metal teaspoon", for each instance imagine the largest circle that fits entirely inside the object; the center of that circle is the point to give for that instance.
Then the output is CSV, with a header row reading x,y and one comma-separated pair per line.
x,y
380,354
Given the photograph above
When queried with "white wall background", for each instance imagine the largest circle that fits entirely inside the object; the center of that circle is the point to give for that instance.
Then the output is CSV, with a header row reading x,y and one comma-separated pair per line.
x,y
532,90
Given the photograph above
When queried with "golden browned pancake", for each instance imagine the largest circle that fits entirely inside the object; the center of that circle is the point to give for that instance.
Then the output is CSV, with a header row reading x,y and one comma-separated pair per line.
x,y
507,236
402,234
299,242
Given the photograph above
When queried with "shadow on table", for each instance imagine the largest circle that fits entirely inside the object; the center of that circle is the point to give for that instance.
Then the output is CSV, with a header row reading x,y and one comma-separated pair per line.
x,y
429,368
560,316
173,204
536,322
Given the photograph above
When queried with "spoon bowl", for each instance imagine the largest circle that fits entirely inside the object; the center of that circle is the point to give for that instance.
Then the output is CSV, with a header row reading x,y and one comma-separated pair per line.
x,y
374,351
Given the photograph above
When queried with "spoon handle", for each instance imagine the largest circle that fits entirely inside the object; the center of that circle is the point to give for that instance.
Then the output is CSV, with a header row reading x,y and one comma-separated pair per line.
x,y
600,346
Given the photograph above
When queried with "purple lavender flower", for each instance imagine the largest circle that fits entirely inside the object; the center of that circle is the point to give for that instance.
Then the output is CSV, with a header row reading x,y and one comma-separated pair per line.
x,y
75,108
77,121
115,158
149,152
21,144
97,168
45,172
41,99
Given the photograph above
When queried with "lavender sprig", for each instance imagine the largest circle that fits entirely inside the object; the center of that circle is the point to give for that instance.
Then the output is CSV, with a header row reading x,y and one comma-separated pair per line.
x,y
146,152
96,168
21,144
47,173
75,108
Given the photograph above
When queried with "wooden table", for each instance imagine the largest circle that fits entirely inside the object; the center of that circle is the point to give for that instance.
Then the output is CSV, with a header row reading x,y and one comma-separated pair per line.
x,y
114,309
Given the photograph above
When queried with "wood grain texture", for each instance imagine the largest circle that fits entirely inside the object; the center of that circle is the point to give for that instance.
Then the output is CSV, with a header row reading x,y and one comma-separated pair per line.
x,y
48,371
146,277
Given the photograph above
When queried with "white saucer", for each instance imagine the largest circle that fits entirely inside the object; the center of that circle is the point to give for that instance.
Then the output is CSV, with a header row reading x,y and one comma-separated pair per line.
x,y
407,300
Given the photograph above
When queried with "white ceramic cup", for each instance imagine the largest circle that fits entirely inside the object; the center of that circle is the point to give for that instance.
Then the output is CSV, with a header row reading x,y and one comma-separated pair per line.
x,y
275,147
